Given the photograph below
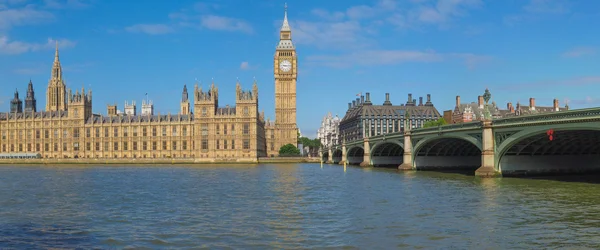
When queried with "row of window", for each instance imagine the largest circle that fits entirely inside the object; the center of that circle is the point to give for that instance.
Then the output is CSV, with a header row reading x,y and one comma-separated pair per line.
x,y
76,146
115,132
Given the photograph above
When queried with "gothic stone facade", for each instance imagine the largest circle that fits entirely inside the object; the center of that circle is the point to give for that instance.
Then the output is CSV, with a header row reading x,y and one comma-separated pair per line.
x,y
284,129
68,129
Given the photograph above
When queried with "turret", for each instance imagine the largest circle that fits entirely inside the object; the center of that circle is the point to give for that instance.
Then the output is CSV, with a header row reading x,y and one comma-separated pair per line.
x,y
30,102
80,104
246,101
185,103
16,105
206,102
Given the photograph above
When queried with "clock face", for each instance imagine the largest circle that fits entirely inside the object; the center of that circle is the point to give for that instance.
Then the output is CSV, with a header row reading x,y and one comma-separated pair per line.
x,y
285,65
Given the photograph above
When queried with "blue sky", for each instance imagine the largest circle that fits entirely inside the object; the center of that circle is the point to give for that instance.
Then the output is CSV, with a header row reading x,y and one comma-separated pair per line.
x,y
123,49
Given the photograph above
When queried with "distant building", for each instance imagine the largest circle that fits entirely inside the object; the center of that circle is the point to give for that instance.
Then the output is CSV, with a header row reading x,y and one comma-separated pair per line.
x,y
474,111
130,109
363,119
147,107
16,105
448,116
30,102
328,133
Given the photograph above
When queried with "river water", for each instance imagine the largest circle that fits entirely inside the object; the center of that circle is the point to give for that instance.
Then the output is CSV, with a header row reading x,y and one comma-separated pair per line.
x,y
290,207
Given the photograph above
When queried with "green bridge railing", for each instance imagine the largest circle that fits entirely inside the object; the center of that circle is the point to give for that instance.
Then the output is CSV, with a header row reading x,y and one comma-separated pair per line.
x,y
562,115
441,128
592,113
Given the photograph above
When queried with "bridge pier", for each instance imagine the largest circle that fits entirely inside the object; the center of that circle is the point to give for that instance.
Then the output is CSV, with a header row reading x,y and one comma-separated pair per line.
x,y
344,159
407,157
488,154
367,156
330,156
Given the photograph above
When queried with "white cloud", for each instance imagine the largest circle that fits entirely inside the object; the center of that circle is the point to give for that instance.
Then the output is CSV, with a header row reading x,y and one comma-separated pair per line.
x,y
19,47
579,52
244,65
389,57
547,6
324,14
63,4
443,11
152,29
215,22
28,71
354,33
23,16
537,9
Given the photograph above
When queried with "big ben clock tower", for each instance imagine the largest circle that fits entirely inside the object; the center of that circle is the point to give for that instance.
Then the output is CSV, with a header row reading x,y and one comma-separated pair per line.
x,y
286,131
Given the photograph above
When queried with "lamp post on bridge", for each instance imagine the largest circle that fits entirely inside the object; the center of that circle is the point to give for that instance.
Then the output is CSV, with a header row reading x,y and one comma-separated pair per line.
x,y
486,97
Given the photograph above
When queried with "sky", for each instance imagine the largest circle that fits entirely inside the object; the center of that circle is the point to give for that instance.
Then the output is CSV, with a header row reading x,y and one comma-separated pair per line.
x,y
122,50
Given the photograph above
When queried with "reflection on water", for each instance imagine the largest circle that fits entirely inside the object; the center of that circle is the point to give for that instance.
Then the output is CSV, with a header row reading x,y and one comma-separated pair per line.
x,y
291,206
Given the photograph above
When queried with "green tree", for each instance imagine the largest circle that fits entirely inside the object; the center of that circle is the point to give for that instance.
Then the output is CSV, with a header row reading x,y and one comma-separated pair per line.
x,y
438,122
310,143
289,150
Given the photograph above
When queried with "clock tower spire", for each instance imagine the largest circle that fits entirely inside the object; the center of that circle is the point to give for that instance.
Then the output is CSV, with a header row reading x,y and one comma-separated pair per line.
x,y
286,131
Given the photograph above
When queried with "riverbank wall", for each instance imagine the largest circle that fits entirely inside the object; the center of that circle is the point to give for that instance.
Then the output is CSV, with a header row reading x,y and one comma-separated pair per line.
x,y
152,161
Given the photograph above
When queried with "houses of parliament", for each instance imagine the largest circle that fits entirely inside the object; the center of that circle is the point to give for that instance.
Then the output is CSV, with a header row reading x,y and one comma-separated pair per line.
x,y
68,128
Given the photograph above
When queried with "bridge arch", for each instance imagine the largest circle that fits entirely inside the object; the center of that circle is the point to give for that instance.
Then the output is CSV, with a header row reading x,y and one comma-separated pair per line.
x,y
325,156
387,154
573,149
447,152
337,156
355,155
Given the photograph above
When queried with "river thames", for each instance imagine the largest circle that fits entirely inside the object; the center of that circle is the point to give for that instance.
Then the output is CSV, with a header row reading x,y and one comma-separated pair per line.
x,y
290,206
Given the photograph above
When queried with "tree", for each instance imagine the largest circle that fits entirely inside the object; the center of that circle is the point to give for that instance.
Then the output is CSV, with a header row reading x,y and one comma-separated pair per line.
x,y
289,150
310,143
438,122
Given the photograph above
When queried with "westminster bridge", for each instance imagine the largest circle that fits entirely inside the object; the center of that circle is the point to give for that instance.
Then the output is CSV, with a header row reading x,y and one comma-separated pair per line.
x,y
550,143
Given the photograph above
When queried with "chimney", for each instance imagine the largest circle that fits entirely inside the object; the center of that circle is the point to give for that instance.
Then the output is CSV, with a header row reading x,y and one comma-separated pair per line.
x,y
480,101
349,105
457,101
421,101
556,108
387,99
428,98
368,97
362,99
354,103
531,103
357,101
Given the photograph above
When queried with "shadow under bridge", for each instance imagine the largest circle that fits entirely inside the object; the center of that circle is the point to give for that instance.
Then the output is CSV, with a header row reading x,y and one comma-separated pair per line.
x,y
535,153
325,156
447,153
337,156
387,154
355,155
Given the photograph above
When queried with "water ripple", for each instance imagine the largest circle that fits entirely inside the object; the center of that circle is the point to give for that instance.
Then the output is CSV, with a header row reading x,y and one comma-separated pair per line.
x,y
289,207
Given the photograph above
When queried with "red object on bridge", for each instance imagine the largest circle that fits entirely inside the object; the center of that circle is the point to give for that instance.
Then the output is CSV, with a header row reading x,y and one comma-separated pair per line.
x,y
550,134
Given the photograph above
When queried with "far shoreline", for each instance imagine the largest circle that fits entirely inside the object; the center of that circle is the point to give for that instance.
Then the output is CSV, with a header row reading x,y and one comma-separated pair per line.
x,y
158,161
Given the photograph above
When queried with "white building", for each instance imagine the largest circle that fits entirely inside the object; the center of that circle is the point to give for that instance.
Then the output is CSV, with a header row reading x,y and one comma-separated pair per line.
x,y
130,109
328,133
147,107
